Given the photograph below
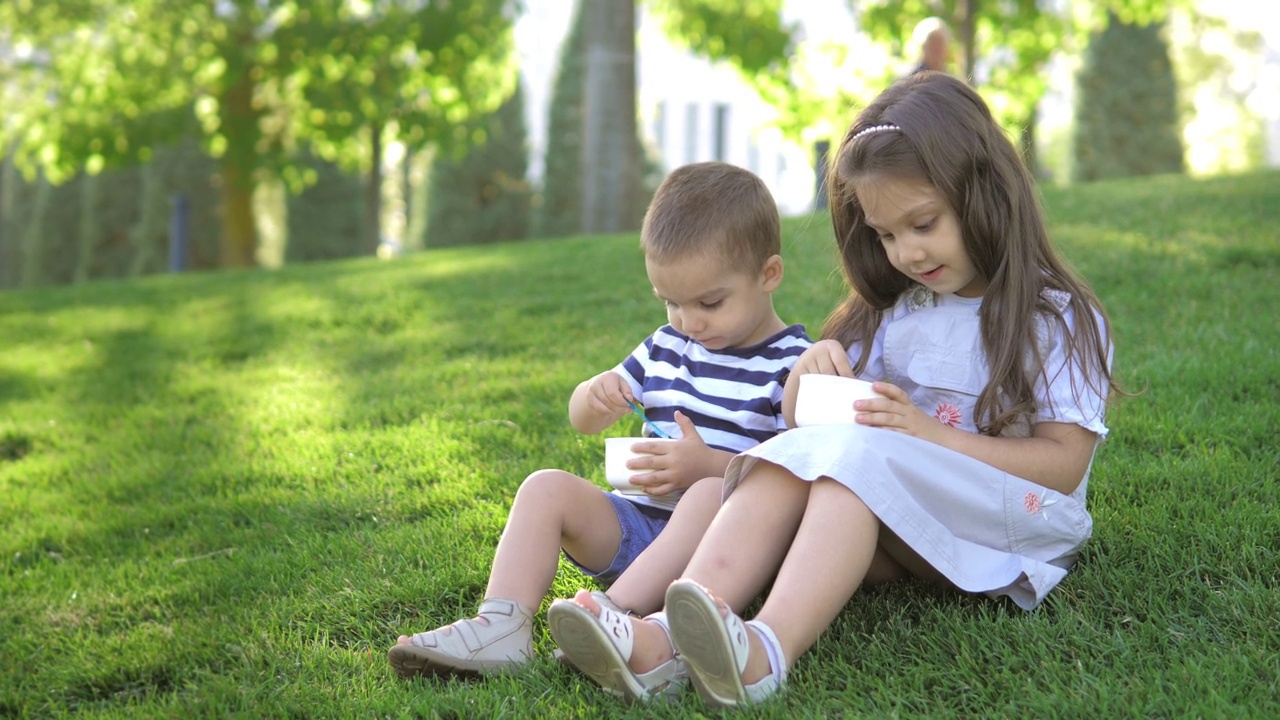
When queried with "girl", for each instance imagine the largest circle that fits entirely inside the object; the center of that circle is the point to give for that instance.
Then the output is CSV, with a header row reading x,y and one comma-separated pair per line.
x,y
994,362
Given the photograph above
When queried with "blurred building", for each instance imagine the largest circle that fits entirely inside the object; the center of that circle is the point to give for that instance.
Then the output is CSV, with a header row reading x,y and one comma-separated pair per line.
x,y
693,110
690,109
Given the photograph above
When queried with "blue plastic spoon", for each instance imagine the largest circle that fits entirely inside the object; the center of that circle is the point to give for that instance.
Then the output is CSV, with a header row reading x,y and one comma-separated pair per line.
x,y
656,430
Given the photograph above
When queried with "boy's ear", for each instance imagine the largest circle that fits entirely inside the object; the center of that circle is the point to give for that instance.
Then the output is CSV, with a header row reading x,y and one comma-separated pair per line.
x,y
771,273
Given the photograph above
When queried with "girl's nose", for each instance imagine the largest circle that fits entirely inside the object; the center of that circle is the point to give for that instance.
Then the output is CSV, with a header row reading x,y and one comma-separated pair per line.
x,y
910,252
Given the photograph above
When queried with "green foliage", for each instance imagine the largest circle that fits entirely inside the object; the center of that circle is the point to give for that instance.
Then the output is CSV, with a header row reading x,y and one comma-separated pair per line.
x,y
225,494
1127,106
483,196
97,226
107,82
750,35
559,210
325,220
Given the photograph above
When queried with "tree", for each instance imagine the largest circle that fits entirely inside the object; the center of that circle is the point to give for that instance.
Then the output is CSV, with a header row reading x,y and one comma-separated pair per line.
x,y
104,82
560,210
1010,42
1127,106
750,35
610,148
483,196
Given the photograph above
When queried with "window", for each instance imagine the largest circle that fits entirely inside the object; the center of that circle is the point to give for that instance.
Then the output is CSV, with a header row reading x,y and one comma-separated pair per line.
x,y
720,132
691,133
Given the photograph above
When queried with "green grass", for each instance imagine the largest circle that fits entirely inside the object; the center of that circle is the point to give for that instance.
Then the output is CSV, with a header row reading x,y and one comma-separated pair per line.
x,y
226,494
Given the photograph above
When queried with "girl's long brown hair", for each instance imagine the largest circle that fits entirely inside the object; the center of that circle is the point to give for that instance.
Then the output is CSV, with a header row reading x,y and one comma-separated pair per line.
x,y
943,133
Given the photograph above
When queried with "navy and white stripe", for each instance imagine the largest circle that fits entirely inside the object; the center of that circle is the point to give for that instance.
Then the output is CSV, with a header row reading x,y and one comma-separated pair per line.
x,y
733,396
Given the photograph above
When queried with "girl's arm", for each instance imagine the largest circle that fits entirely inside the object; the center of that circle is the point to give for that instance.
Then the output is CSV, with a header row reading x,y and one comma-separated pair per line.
x,y
1055,456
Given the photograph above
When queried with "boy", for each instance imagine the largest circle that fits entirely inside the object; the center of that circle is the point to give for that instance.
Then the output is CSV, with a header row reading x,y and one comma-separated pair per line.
x,y
712,377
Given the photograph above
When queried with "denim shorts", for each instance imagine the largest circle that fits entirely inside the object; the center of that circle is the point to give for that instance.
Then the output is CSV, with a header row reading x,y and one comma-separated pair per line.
x,y
640,525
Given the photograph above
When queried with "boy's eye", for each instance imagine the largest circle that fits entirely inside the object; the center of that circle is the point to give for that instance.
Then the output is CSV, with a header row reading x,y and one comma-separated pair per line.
x,y
712,305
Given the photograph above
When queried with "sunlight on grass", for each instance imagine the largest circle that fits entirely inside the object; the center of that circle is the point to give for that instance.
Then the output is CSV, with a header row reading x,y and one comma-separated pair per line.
x,y
226,494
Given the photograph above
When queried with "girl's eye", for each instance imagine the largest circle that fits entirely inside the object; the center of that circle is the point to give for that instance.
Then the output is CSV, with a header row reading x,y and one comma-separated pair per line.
x,y
926,226
885,238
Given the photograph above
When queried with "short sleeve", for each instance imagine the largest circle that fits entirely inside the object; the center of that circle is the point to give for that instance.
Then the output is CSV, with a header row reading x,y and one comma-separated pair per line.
x,y
876,371
1065,393
635,368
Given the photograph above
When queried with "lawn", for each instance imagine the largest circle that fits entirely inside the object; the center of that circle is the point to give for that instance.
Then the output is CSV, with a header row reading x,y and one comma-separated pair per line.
x,y
225,494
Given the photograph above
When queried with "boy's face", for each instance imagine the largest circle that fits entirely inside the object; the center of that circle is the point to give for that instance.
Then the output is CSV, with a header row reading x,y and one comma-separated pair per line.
x,y
715,305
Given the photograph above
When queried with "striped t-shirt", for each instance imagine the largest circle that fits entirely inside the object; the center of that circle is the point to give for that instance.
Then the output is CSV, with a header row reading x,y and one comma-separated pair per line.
x,y
733,396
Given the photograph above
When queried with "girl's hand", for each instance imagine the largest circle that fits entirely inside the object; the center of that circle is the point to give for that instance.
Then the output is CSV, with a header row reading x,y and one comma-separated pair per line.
x,y
674,465
825,357
895,411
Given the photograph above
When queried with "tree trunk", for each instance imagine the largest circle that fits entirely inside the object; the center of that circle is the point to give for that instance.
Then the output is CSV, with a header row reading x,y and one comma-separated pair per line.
x,y
967,39
240,124
611,148
8,186
151,223
373,194
239,232
32,262
89,224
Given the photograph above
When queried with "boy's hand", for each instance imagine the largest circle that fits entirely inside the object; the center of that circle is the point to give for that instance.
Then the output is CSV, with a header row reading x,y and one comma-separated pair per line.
x,y
608,395
674,465
825,357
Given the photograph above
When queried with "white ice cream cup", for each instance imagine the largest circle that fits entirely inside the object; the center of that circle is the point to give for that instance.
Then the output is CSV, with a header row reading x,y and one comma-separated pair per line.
x,y
617,451
828,399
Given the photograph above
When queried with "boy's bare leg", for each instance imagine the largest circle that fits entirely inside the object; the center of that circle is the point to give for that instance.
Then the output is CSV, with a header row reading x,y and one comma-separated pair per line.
x,y
641,586
553,509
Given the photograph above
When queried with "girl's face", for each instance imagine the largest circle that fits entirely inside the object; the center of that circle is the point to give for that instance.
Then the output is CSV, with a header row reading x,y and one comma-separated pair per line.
x,y
920,234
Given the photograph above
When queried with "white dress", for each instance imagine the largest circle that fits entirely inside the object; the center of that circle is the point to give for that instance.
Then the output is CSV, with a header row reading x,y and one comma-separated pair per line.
x,y
987,531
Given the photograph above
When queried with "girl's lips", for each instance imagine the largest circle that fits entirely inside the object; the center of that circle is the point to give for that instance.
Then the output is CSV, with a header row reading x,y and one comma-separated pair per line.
x,y
932,274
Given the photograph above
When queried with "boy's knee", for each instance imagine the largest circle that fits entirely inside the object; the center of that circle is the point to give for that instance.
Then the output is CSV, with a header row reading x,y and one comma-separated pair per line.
x,y
552,484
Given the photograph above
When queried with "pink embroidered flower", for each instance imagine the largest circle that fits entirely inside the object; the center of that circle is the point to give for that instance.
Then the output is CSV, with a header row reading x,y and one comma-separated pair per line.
x,y
1037,504
947,414
1032,501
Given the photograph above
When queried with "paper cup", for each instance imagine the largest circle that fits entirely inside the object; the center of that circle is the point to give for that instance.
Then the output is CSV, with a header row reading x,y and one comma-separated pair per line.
x,y
828,399
617,451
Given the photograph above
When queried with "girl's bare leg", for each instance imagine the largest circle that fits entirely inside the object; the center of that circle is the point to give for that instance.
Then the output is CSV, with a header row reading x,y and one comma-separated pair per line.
x,y
743,546
830,556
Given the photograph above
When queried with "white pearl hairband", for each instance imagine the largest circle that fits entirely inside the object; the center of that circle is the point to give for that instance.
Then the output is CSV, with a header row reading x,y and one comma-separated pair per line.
x,y
873,129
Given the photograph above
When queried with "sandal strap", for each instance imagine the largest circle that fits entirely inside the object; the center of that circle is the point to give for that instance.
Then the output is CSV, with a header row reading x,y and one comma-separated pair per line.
x,y
617,628
777,676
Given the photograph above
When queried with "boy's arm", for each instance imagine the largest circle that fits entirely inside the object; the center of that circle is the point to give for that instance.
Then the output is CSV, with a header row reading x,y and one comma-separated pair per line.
x,y
598,402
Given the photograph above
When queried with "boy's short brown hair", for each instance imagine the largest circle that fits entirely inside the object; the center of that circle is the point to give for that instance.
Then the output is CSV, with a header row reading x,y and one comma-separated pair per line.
x,y
712,208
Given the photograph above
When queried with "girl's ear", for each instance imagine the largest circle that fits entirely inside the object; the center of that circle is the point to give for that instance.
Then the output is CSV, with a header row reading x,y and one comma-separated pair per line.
x,y
771,273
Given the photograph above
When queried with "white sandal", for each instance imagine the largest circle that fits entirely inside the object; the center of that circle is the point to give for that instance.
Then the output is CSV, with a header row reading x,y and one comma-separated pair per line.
x,y
715,648
601,647
469,647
